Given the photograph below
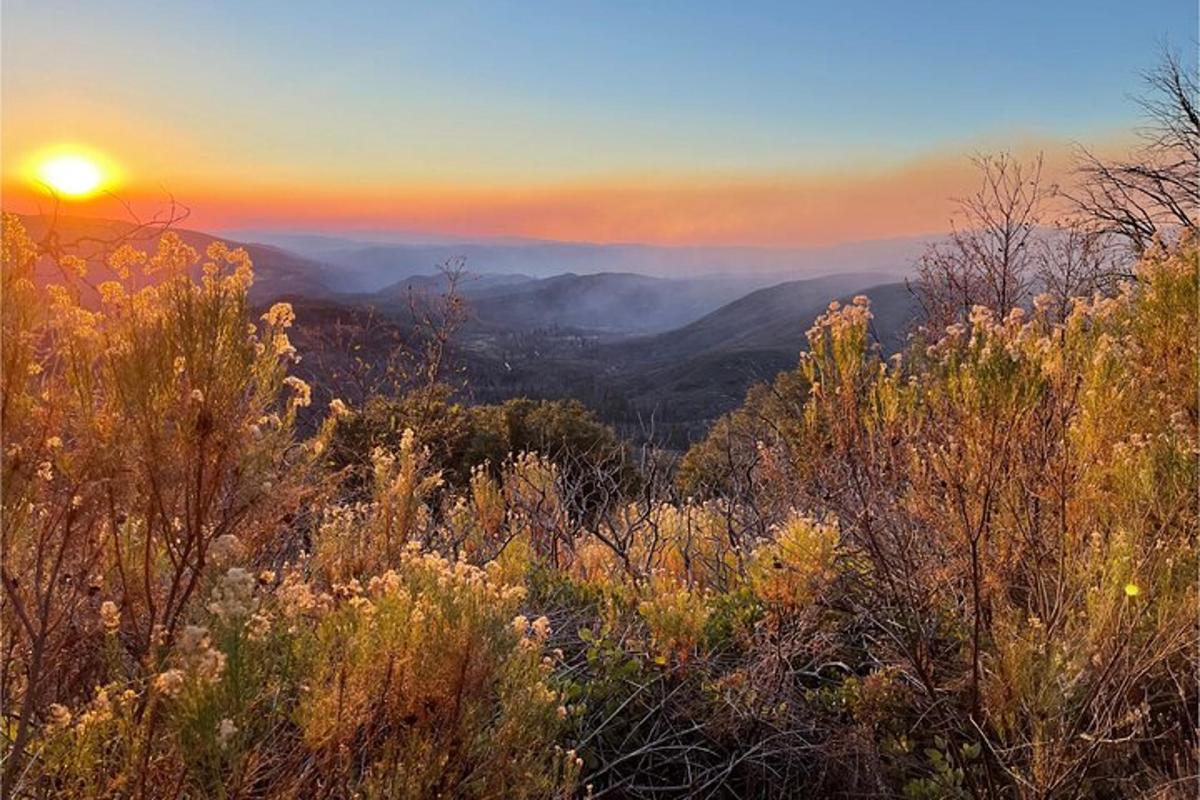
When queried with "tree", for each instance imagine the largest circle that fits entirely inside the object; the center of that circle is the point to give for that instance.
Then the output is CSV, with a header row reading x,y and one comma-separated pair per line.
x,y
989,256
1152,194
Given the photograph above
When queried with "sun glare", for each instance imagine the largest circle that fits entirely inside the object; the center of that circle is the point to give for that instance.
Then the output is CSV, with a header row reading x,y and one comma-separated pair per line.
x,y
72,175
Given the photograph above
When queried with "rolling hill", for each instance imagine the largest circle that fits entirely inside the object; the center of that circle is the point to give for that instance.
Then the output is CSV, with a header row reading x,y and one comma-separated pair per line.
x,y
689,376
277,273
769,318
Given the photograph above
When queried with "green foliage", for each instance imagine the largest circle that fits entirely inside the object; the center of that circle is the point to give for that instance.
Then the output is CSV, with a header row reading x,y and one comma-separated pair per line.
x,y
461,438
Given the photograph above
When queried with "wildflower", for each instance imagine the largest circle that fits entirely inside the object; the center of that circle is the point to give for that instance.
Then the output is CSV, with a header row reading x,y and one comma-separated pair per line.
x,y
169,683
233,596
74,264
210,665
1132,590
34,368
110,617
303,391
258,626
282,345
337,408
101,710
193,639
541,628
46,471
267,576
124,258
362,605
520,624
225,731
158,635
225,549
54,443
387,583
197,396
111,292
179,365
280,315
59,717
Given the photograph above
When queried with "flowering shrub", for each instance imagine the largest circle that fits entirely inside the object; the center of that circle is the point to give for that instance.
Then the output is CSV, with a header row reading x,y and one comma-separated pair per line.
x,y
151,477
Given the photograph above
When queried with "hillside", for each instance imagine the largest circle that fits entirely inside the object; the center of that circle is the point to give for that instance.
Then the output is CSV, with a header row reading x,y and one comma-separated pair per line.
x,y
277,272
682,351
769,318
602,303
472,284
692,375
605,302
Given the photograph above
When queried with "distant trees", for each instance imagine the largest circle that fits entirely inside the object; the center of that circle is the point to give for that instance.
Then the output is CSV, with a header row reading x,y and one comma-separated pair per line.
x,y
590,456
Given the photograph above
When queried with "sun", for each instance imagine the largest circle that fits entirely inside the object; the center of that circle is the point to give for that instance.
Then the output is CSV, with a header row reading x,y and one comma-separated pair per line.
x,y
72,175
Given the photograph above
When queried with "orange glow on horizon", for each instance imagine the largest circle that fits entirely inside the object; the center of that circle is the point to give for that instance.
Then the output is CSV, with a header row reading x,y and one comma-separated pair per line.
x,y
798,210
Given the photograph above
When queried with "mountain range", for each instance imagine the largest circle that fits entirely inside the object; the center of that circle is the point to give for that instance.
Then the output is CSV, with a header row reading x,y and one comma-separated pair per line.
x,y
369,261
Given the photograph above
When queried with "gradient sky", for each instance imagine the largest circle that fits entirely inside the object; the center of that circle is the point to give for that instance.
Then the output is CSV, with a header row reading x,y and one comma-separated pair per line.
x,y
675,122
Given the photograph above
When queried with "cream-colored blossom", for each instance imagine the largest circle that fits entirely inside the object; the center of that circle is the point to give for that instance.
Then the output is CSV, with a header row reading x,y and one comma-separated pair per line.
x,y
226,731
303,392
110,616
280,315
169,683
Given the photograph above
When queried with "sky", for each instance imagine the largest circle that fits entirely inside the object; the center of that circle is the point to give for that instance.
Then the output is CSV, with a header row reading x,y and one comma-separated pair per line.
x,y
699,123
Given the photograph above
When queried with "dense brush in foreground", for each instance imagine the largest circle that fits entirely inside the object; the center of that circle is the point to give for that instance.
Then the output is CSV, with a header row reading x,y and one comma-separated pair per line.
x,y
967,572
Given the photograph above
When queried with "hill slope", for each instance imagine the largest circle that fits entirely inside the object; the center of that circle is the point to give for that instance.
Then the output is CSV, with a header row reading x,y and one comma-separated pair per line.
x,y
277,272
771,318
692,375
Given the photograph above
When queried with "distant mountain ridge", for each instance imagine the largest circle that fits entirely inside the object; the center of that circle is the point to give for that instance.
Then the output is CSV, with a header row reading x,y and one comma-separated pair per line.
x,y
604,302
368,266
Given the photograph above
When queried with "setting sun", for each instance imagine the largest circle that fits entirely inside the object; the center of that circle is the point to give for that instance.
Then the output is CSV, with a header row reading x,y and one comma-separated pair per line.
x,y
71,175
